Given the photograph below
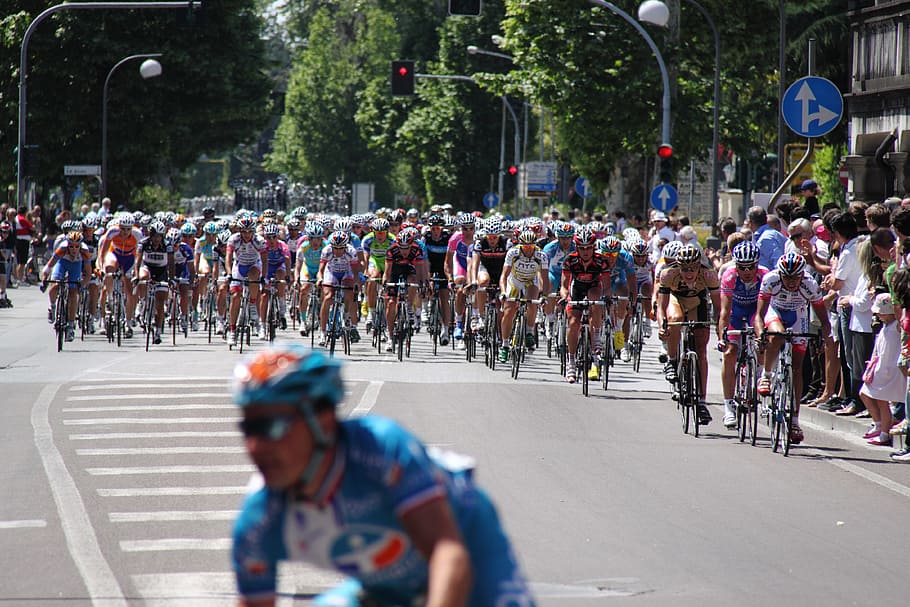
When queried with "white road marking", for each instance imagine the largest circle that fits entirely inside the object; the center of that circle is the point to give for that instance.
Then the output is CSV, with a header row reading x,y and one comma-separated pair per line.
x,y
179,543
124,471
137,435
149,396
161,451
368,400
24,524
861,472
172,515
170,385
199,407
156,381
81,541
109,421
171,491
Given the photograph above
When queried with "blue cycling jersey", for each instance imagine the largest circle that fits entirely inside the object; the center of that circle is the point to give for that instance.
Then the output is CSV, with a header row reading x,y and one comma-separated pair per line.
x,y
353,525
625,267
556,256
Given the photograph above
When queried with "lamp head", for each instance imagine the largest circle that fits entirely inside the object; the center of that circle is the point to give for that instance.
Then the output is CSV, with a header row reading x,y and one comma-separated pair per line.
x,y
655,12
150,68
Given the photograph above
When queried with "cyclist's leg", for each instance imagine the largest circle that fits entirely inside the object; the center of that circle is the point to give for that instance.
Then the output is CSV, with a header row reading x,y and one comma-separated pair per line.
x,y
345,594
674,314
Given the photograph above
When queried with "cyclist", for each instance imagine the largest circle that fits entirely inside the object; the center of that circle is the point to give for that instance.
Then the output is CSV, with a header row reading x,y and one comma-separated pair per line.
x,y
485,268
278,258
89,225
221,301
117,250
184,269
683,295
460,247
644,279
245,257
338,266
439,261
622,284
375,246
403,261
155,261
783,303
7,247
556,253
205,261
739,286
70,261
309,254
406,524
585,275
525,272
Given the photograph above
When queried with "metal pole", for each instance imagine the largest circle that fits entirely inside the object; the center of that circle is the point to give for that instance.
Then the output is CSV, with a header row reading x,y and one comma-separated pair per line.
x,y
665,123
23,63
502,150
517,154
104,115
781,85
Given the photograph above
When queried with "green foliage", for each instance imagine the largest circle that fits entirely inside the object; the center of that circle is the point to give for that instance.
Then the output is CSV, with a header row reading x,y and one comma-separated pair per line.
x,y
826,173
151,199
212,93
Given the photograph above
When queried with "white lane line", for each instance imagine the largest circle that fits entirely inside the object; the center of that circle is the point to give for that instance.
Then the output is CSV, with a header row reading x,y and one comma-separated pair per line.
x,y
156,380
368,400
861,472
161,451
171,491
156,396
170,386
173,515
138,435
199,407
81,541
177,543
109,421
126,471
24,524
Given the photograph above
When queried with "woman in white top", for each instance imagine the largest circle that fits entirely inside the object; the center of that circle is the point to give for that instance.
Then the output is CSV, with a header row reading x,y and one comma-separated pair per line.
x,y
883,381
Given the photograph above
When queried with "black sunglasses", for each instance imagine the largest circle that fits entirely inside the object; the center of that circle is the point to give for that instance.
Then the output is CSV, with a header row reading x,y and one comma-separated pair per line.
x,y
746,266
269,428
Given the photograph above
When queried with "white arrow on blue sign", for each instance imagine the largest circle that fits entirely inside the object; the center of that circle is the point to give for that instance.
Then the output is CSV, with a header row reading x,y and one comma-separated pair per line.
x,y
490,200
812,106
583,187
664,198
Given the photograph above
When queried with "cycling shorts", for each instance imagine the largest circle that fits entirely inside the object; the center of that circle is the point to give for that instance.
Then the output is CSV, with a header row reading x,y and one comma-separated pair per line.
x,y
336,278
795,320
71,270
494,279
376,265
695,308
738,322
239,272
516,288
583,290
272,270
124,262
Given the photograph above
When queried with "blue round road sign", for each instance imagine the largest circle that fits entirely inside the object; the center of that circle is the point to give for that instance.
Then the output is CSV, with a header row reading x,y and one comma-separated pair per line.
x,y
664,198
812,106
583,187
490,200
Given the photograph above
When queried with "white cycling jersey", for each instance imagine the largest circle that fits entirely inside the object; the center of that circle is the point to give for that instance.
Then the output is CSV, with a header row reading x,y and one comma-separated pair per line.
x,y
247,253
338,264
526,269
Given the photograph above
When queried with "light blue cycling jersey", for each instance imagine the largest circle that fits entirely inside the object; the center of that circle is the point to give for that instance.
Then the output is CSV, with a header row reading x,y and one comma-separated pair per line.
x,y
311,257
556,256
624,268
381,472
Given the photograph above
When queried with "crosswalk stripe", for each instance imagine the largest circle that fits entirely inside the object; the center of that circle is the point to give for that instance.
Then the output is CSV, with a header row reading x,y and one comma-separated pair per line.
x,y
172,515
179,543
125,471
171,491
149,396
161,451
135,386
110,421
202,407
142,435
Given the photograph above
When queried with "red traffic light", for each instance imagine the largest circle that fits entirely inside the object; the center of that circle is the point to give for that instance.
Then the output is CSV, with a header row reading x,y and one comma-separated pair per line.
x,y
665,150
513,170
402,71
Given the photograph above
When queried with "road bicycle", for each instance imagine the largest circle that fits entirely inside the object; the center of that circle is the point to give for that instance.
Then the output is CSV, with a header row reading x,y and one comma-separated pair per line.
x,y
469,336
688,377
272,318
61,308
147,307
745,376
491,327
517,338
309,325
337,326
84,313
210,307
293,303
608,354
378,321
584,352
636,340
403,329
779,413
244,328
434,314
115,312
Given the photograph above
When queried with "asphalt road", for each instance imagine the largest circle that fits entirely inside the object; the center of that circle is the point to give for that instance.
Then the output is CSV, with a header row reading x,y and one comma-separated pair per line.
x,y
123,472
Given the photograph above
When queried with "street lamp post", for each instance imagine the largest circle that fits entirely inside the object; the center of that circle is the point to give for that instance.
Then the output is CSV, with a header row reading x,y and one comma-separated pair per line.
x,y
150,68
23,63
656,12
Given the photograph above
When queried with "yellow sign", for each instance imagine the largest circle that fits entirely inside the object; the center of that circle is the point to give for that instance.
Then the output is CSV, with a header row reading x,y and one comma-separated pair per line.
x,y
793,153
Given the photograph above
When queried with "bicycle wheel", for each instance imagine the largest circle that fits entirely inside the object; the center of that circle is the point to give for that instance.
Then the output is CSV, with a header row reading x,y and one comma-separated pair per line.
x,y
272,316
584,356
682,396
149,318
775,424
175,316
694,384
752,399
333,328
401,327
312,319
210,314
518,343
119,317
786,409
433,324
60,318
638,338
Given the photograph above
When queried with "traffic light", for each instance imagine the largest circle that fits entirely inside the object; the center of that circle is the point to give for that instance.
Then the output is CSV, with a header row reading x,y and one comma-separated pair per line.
x,y
469,8
29,160
402,77
513,170
665,153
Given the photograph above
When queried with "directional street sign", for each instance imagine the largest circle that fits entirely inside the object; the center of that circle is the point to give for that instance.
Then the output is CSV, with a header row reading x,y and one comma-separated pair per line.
x,y
490,200
539,179
583,187
664,198
812,106
71,170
